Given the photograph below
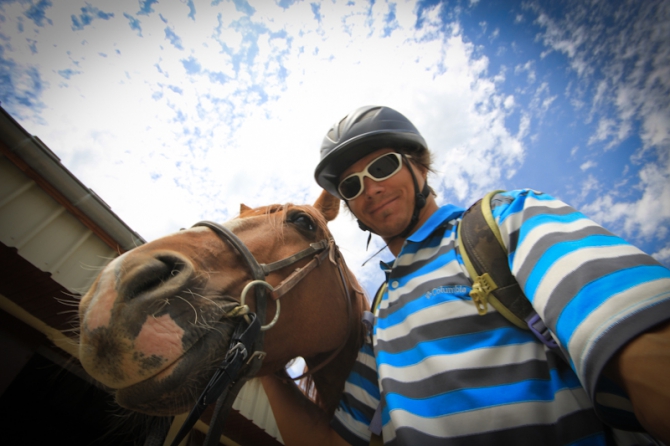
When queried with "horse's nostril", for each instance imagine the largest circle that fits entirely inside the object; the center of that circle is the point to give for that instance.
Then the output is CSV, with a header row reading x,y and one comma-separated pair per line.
x,y
174,264
153,274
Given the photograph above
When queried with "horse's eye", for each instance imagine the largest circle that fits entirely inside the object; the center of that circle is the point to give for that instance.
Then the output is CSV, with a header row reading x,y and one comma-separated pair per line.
x,y
303,221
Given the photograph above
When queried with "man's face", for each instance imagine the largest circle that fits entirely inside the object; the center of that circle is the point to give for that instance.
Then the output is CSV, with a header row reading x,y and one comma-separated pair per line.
x,y
384,206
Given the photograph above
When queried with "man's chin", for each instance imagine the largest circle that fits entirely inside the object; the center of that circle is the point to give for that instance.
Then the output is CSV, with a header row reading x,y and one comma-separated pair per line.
x,y
390,229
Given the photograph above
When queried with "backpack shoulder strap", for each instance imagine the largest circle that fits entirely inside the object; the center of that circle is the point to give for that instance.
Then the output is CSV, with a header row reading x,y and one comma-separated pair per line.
x,y
485,258
378,297
369,316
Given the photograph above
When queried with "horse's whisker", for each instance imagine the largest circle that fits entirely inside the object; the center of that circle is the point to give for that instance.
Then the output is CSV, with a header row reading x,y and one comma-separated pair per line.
x,y
201,296
191,305
67,302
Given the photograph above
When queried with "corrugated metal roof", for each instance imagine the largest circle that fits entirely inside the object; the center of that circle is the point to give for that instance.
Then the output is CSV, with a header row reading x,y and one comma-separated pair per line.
x,y
45,234
253,403
40,164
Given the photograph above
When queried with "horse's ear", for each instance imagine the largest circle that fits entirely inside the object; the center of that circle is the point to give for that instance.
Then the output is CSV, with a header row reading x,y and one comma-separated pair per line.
x,y
328,205
244,207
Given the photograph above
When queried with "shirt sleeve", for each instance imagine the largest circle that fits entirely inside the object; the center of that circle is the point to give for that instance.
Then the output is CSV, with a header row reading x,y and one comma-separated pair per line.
x,y
359,400
593,290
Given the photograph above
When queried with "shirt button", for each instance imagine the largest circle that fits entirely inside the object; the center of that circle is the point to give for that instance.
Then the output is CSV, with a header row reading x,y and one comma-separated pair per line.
x,y
394,284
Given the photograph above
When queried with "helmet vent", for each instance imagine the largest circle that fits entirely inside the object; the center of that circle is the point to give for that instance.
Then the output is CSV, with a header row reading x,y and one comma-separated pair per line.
x,y
332,134
367,115
340,127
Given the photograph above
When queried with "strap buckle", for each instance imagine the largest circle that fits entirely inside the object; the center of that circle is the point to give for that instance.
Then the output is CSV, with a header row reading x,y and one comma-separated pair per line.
x,y
540,330
481,288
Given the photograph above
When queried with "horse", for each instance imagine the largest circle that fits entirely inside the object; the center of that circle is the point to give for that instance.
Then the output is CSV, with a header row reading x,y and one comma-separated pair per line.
x,y
156,322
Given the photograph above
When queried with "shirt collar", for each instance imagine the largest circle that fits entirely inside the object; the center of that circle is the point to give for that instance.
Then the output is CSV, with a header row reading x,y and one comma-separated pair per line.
x,y
443,214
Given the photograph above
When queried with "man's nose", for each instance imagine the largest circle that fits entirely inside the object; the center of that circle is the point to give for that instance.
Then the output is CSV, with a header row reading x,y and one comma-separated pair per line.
x,y
372,187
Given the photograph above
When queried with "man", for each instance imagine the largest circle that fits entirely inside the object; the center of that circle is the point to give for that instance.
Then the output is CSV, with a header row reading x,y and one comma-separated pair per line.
x,y
440,373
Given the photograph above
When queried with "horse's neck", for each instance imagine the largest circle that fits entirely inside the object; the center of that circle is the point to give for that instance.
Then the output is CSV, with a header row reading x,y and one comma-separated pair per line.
x,y
329,381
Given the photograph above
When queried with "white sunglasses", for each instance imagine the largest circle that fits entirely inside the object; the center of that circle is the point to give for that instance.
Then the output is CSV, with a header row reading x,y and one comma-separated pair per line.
x,y
379,169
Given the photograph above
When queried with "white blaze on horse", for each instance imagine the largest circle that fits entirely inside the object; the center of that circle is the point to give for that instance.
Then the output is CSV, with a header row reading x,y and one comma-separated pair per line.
x,y
157,322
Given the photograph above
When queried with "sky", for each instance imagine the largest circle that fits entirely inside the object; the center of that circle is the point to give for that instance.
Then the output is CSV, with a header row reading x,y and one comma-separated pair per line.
x,y
179,111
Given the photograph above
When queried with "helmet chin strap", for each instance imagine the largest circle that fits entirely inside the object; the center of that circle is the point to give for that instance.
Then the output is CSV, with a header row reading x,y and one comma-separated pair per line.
x,y
419,202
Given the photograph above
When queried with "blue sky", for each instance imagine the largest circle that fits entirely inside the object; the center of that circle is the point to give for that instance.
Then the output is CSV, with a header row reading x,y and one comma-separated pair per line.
x,y
178,111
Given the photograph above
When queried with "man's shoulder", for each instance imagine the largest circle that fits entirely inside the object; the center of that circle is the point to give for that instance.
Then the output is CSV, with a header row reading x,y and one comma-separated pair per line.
x,y
441,217
444,214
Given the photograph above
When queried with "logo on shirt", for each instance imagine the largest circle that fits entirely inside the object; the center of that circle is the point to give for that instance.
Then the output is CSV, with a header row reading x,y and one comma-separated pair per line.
x,y
451,289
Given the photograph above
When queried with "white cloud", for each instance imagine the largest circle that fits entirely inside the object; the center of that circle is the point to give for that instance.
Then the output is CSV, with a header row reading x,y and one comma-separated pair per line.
x,y
574,151
586,187
527,67
588,165
663,254
647,217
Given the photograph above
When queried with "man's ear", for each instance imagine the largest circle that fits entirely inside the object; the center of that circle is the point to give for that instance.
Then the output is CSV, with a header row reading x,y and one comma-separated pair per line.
x,y
423,170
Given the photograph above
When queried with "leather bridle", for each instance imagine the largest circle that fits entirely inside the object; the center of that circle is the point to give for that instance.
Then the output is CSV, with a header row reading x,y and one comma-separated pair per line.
x,y
245,352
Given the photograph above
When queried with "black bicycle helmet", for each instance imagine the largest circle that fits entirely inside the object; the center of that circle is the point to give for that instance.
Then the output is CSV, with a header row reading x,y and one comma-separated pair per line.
x,y
360,133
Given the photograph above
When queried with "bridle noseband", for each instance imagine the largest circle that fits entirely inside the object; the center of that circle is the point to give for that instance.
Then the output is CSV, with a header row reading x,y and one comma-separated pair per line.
x,y
245,352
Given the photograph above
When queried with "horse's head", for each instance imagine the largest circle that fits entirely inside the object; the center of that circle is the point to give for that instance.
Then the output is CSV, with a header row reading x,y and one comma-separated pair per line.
x,y
156,323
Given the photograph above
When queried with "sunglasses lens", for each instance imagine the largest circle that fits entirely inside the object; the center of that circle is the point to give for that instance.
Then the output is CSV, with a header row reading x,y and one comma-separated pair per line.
x,y
384,166
350,187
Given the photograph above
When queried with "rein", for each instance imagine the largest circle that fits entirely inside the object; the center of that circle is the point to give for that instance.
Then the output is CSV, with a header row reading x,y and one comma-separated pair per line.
x,y
244,356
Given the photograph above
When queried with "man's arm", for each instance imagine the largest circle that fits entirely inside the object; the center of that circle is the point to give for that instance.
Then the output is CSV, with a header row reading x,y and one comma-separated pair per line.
x,y
299,420
642,368
574,271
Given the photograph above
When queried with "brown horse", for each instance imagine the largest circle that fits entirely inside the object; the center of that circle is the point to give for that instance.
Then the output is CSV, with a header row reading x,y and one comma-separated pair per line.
x,y
156,324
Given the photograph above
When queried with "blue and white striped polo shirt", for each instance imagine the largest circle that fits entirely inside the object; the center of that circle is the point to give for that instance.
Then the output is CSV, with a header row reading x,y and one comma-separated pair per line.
x,y
447,375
